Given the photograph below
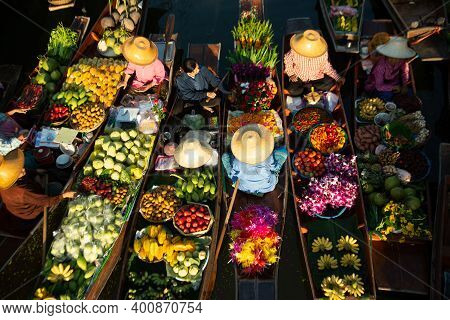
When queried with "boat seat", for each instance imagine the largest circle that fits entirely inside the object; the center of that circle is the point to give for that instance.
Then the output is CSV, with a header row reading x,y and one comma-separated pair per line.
x,y
257,289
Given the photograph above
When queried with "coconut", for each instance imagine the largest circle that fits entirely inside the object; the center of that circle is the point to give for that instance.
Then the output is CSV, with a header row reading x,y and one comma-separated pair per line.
x,y
107,22
115,15
135,16
121,8
128,24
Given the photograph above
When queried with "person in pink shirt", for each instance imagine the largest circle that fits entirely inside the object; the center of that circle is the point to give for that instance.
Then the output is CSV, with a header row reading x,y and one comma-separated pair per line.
x,y
307,64
390,75
143,63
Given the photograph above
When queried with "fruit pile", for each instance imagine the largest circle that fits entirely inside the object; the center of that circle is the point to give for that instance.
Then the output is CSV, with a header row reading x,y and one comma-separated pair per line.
x,y
197,185
73,97
310,163
370,107
97,75
113,39
188,265
30,97
193,219
50,72
153,243
307,117
57,113
367,138
328,138
97,186
119,194
87,117
160,204
265,118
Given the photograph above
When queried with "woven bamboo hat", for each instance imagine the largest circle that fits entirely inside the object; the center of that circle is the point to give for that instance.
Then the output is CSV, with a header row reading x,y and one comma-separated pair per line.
x,y
252,144
11,166
140,51
377,40
309,44
396,47
192,153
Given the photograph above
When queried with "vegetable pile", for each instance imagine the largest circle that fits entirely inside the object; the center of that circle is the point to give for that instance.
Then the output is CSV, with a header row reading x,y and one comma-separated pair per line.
x,y
62,44
308,117
367,138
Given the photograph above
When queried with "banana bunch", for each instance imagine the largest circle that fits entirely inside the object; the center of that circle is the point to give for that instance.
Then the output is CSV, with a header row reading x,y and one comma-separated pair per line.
x,y
354,285
196,185
370,107
348,243
351,260
321,244
60,272
333,287
327,262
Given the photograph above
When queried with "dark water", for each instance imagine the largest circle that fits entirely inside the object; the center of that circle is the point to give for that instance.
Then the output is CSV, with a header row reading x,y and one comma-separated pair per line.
x,y
210,21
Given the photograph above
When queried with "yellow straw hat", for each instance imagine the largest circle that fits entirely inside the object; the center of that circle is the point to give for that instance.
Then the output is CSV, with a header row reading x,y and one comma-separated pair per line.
x,y
11,166
139,50
252,144
309,44
192,153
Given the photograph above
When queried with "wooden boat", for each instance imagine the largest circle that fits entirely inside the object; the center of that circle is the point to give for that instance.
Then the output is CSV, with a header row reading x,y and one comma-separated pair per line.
x,y
207,55
400,266
418,19
353,221
440,263
265,285
343,41
25,254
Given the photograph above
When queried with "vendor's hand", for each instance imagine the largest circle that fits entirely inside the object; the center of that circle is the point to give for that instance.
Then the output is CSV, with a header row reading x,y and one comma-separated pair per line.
x,y
121,85
208,109
18,110
211,94
23,135
396,89
69,195
293,78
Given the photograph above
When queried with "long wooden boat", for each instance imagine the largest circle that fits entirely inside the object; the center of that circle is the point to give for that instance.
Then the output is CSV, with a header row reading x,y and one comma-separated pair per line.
x,y
343,41
28,251
420,18
265,285
352,222
400,266
207,55
440,263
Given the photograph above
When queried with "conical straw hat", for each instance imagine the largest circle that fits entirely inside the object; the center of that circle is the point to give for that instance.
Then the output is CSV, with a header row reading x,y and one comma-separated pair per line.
x,y
252,144
193,153
10,167
396,47
309,44
139,50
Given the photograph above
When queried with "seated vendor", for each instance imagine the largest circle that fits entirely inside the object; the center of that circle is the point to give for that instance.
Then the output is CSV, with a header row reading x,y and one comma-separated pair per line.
x,y
20,195
196,84
254,159
390,75
307,64
143,63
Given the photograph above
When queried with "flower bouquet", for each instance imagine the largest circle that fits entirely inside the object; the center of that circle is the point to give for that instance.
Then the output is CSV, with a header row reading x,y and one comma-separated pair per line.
x,y
254,243
246,72
255,96
336,189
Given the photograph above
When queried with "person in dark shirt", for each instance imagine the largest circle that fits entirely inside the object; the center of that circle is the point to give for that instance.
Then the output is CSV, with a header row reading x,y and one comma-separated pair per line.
x,y
197,84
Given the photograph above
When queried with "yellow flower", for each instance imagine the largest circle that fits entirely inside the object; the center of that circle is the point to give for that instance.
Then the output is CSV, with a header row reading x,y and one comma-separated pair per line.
x,y
392,218
410,227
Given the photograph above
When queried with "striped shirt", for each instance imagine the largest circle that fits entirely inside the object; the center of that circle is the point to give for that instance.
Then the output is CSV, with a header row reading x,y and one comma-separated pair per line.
x,y
308,69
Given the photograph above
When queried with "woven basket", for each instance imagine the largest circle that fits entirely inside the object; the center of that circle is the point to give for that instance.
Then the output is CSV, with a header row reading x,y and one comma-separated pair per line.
x,y
59,2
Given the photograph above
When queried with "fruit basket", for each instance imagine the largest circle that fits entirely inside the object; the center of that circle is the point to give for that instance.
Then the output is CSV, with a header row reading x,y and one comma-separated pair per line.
x,y
314,173
359,118
75,125
150,243
309,116
320,143
197,217
167,198
57,115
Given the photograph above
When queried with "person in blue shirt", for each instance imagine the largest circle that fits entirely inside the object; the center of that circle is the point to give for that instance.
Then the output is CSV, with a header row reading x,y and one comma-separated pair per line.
x,y
255,159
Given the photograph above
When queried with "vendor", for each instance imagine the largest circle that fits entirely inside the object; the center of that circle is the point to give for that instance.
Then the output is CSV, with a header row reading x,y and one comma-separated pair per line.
x,y
307,64
11,134
20,195
194,151
254,159
143,63
390,74
197,84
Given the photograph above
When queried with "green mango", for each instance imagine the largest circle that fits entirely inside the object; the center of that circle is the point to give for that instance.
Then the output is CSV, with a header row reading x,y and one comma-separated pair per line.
x,y
195,197
194,180
212,190
189,187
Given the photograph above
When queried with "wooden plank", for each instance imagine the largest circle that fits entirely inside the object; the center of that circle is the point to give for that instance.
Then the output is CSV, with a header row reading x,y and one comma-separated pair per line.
x,y
207,53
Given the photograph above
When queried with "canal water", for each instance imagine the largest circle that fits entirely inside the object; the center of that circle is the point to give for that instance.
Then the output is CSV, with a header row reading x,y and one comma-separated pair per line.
x,y
25,26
